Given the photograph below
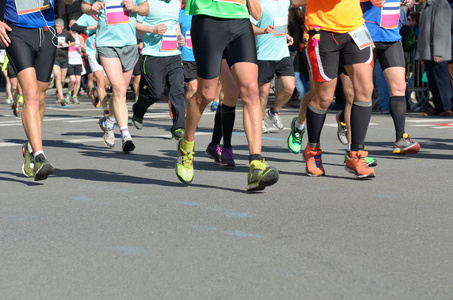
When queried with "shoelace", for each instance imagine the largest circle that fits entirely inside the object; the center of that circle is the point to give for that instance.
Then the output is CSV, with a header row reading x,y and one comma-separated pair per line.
x,y
187,158
228,153
297,137
318,160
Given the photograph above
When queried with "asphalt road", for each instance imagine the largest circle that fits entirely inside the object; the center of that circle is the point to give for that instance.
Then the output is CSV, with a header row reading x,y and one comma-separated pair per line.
x,y
109,225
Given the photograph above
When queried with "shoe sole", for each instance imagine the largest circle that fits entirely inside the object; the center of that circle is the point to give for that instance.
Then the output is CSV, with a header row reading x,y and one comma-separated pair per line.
x,y
43,172
211,157
340,127
414,149
270,178
139,126
359,176
25,173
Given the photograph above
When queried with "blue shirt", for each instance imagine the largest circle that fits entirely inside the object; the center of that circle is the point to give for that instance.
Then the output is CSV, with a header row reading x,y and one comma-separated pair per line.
x,y
86,20
29,14
382,23
186,23
116,27
161,12
272,46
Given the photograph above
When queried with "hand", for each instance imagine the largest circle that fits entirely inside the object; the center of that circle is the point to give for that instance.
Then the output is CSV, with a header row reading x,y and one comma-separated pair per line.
x,y
181,40
96,7
269,29
64,44
159,29
407,2
378,3
129,4
4,38
289,40
93,27
437,59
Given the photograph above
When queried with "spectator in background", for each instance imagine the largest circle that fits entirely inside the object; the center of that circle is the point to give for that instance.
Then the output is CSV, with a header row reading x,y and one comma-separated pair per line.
x,y
434,49
450,63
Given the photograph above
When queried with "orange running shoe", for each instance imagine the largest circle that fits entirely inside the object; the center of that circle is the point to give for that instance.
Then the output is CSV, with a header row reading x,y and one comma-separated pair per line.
x,y
356,164
313,161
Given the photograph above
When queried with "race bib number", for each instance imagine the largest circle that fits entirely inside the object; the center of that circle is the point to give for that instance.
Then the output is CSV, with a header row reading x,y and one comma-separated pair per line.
x,y
116,13
30,6
281,26
61,40
240,2
188,40
361,37
390,15
169,42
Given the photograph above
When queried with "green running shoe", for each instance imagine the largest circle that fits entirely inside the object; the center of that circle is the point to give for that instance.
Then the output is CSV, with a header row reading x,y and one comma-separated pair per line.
x,y
177,134
261,175
184,164
137,122
43,168
29,164
295,138
370,161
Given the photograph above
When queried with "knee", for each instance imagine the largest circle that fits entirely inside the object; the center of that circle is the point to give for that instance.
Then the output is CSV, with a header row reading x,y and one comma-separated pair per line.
x,y
249,91
289,88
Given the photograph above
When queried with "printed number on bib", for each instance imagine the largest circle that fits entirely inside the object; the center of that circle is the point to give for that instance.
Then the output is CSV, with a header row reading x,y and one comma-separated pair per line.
x,y
240,2
30,6
281,26
116,13
61,40
169,42
188,40
390,15
361,37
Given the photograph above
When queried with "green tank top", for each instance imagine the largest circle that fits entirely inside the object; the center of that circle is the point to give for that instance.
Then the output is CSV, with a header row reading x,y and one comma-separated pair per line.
x,y
226,9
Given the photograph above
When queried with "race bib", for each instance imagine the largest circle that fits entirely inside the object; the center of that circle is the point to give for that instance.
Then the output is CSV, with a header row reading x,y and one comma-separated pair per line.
x,y
169,42
281,26
361,37
61,39
30,6
116,13
390,15
188,40
240,2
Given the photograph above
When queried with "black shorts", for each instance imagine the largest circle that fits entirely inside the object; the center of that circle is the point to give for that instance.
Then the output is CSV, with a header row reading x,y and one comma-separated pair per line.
x,y
63,64
138,66
267,69
32,48
86,64
75,70
11,71
190,70
389,54
217,38
331,50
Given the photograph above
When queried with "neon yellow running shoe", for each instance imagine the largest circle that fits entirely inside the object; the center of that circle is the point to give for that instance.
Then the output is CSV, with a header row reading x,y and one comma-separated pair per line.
x,y
184,164
261,175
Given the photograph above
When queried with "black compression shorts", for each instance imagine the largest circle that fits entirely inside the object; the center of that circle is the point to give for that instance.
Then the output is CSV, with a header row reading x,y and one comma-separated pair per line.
x,y
32,48
389,54
216,38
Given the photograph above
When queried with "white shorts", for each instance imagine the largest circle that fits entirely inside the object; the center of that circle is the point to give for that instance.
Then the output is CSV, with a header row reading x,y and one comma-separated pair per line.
x,y
94,64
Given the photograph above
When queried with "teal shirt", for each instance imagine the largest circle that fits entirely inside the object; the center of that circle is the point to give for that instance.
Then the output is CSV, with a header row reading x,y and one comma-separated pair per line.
x,y
272,46
86,20
115,29
161,12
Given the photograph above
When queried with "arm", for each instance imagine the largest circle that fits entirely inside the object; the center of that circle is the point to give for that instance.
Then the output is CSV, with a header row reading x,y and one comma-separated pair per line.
x,y
158,29
142,9
92,9
4,29
441,20
82,43
180,37
254,9
258,30
299,3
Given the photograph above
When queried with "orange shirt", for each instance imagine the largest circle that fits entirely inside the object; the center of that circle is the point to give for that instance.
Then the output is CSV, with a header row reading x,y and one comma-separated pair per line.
x,y
338,16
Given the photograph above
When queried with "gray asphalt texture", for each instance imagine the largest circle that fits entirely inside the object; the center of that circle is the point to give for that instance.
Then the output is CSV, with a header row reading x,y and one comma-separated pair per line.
x,y
109,225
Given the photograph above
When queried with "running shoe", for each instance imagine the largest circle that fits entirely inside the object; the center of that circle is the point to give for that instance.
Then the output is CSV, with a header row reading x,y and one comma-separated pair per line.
x,y
276,119
370,161
356,164
226,158
20,100
8,101
137,122
28,167
43,168
214,105
95,97
109,135
184,164
67,97
261,175
15,108
128,145
313,161
264,127
214,152
177,134
106,112
342,131
75,100
295,138
405,146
